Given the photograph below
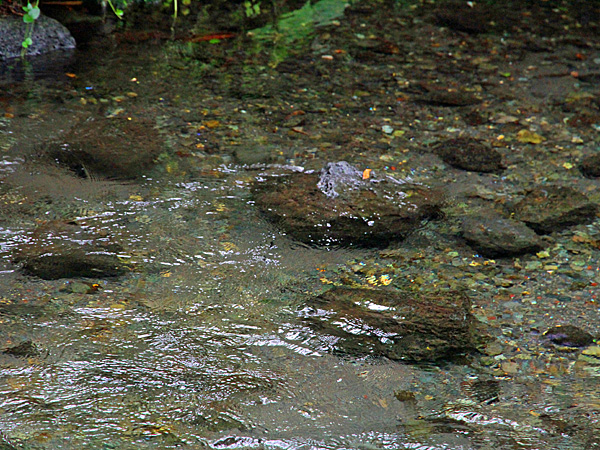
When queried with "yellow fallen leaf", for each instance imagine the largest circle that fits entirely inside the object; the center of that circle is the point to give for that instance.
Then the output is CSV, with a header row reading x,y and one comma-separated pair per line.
x,y
529,137
229,246
211,124
366,174
568,165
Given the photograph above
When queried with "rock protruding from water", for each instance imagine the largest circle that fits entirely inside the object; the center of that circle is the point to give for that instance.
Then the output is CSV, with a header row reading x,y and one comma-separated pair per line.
x,y
116,149
340,207
469,154
492,235
48,36
553,208
399,325
590,166
65,250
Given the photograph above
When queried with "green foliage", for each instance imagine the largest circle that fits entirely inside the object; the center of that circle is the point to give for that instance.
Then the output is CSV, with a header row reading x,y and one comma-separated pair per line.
x,y
32,12
117,11
252,9
298,25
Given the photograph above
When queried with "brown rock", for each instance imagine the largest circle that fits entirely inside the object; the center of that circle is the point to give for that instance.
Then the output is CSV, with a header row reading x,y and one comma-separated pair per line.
x,y
554,208
400,325
345,209
469,154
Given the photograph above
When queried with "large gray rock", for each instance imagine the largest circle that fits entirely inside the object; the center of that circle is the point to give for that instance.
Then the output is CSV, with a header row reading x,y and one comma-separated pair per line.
x,y
48,36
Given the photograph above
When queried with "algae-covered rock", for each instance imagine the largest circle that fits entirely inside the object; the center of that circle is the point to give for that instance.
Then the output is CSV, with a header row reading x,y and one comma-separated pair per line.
x,y
399,325
339,206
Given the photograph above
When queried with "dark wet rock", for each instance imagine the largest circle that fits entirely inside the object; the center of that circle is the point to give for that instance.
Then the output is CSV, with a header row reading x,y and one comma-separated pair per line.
x,y
338,206
448,97
399,325
25,349
462,17
553,208
590,166
48,36
469,154
65,250
111,148
569,336
493,235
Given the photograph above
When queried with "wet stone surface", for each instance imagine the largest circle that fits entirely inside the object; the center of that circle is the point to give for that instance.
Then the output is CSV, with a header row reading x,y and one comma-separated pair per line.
x,y
340,207
554,208
469,154
492,234
590,166
399,325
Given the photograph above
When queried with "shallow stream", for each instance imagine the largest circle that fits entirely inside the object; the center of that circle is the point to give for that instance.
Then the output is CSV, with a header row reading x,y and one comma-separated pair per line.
x,y
199,344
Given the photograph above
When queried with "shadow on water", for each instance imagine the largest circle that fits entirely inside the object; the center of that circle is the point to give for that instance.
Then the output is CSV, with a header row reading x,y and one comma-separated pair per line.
x,y
52,65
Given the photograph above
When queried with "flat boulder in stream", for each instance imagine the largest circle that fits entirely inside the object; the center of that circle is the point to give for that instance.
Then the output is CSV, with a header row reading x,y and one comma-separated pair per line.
x,y
116,149
553,208
342,206
399,325
492,234
66,250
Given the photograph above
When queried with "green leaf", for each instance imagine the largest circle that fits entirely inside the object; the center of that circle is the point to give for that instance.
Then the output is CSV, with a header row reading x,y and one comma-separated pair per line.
x,y
214,41
119,12
28,19
27,42
34,12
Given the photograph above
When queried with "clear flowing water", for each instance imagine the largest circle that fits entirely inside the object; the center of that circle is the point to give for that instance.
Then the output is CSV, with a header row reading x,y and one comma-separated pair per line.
x,y
199,345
